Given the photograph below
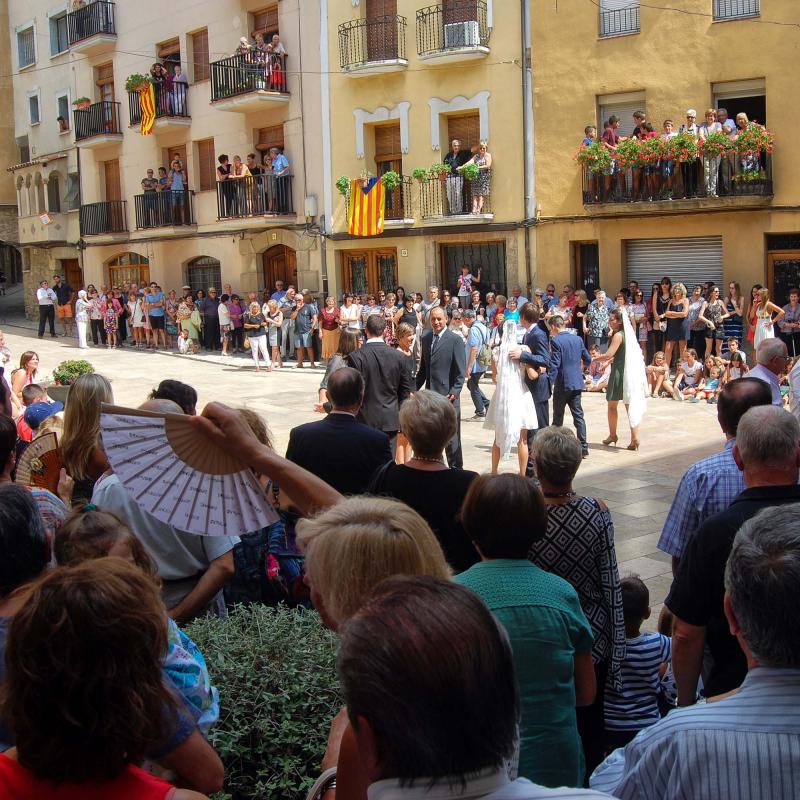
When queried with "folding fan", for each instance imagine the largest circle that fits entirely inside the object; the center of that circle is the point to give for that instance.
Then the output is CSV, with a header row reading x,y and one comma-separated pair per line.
x,y
181,477
40,465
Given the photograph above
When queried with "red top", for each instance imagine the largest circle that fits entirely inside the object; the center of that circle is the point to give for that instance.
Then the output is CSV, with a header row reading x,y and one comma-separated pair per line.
x,y
24,431
610,136
330,319
19,783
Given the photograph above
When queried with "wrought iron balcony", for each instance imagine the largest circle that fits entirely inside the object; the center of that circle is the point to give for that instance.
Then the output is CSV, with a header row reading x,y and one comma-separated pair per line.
x,y
255,196
456,31
374,45
736,9
451,196
620,21
243,77
91,27
164,209
110,216
172,101
99,120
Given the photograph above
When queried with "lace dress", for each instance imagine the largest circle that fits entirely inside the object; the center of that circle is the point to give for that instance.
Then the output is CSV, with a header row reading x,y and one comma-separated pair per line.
x,y
764,327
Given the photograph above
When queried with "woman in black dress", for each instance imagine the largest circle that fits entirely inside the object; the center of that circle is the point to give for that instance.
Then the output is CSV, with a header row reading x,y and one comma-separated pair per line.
x,y
659,303
677,316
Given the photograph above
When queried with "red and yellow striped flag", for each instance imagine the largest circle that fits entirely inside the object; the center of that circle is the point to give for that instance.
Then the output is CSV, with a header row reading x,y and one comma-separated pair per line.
x,y
367,205
147,103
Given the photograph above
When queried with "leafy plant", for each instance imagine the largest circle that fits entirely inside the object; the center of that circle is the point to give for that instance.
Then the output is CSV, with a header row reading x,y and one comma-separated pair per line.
x,y
717,144
629,153
653,149
275,671
471,171
82,101
439,170
683,147
67,372
595,157
391,180
343,185
420,174
137,81
753,140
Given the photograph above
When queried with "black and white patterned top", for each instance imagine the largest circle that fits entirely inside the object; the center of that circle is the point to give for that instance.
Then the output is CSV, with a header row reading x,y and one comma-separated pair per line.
x,y
579,547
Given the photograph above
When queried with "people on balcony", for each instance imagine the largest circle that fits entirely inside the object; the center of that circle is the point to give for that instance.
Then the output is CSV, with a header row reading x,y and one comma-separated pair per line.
x,y
177,185
481,186
611,139
150,198
667,165
454,184
178,88
710,163
280,169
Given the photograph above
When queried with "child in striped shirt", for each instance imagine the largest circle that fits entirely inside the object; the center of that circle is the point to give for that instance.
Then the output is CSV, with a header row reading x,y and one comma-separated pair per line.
x,y
646,656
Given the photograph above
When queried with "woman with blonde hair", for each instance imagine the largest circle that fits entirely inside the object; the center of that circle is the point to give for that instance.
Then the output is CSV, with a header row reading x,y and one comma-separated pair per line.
x,y
275,321
80,448
481,186
764,321
677,316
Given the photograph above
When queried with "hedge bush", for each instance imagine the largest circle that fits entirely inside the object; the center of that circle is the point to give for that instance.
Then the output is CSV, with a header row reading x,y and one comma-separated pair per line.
x,y
275,671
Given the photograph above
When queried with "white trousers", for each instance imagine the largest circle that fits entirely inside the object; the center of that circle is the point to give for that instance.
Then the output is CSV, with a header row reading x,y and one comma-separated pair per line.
x,y
80,325
260,343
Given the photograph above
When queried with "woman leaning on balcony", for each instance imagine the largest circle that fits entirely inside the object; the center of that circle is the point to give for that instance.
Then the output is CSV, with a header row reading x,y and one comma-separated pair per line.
x,y
482,184
710,163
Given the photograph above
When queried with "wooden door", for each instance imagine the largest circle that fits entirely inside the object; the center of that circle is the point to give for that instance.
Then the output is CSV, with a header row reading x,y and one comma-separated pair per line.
x,y
178,151
369,271
104,77
112,180
783,274
381,29
280,264
388,156
72,272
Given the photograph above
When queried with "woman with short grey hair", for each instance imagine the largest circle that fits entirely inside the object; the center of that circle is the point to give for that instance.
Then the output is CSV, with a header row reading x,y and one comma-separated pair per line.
x,y
579,547
424,482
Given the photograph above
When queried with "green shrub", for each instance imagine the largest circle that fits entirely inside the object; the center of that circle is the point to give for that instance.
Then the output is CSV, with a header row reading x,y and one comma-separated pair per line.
x,y
275,671
471,171
343,185
67,372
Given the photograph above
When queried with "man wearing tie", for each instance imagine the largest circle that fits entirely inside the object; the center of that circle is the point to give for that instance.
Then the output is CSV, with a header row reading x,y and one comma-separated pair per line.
x,y
441,369
567,351
539,358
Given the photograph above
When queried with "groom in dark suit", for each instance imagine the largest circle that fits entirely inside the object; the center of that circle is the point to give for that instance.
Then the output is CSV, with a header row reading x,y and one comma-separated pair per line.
x,y
567,351
441,369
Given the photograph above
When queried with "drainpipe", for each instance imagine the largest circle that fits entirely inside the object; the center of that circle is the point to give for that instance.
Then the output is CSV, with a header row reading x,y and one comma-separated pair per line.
x,y
527,133
327,168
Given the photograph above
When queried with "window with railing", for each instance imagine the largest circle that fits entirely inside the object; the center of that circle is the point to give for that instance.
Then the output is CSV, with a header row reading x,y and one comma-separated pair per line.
x,y
736,9
92,19
619,17
98,120
59,41
452,25
255,195
26,47
240,74
364,41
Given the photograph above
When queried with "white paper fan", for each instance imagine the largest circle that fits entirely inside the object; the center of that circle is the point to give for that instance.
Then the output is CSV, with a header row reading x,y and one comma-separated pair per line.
x,y
180,477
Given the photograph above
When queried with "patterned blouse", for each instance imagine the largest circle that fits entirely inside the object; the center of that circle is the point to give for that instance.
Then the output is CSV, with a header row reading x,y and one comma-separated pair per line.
x,y
597,320
579,547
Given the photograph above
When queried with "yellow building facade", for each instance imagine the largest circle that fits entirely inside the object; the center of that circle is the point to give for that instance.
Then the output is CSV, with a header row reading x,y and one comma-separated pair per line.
x,y
591,61
405,80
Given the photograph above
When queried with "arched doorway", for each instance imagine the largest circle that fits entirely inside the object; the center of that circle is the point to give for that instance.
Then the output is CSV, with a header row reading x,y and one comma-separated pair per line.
x,y
280,264
203,272
127,268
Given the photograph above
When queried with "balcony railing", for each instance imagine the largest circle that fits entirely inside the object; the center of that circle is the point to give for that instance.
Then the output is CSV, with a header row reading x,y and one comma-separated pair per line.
x,y
620,21
746,176
90,20
106,217
398,201
255,196
100,119
171,101
736,9
241,74
458,25
366,41
450,197
164,209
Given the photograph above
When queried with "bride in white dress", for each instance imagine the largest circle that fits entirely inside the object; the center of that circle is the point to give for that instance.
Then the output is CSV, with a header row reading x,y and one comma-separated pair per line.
x,y
765,322
511,413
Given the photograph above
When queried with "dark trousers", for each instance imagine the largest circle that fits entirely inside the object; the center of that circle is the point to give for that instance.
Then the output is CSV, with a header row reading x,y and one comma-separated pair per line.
x,y
237,339
591,723
392,441
478,397
98,331
47,314
563,398
455,458
211,333
542,420
689,172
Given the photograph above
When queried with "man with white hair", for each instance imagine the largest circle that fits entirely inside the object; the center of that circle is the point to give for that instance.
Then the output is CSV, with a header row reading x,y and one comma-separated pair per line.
x,y
744,746
767,451
771,357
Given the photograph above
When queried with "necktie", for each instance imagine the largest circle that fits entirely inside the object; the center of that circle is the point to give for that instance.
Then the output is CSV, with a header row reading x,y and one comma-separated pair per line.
x,y
434,343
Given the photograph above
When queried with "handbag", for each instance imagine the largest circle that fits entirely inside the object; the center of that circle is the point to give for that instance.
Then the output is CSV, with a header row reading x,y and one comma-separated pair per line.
x,y
484,358
246,342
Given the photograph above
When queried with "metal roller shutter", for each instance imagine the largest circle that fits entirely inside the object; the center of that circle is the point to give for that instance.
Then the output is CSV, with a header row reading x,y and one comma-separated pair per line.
x,y
625,113
688,261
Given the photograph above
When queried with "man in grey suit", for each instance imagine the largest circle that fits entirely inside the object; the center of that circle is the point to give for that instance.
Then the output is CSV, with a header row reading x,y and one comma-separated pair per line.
x,y
441,369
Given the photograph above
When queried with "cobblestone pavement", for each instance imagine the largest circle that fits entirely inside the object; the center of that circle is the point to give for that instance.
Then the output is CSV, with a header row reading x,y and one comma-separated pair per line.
x,y
638,487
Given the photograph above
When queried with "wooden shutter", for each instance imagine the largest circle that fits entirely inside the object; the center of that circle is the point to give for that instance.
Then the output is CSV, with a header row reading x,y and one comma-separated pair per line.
x,y
170,48
265,21
113,186
381,8
270,137
387,141
206,164
459,11
200,56
104,72
466,128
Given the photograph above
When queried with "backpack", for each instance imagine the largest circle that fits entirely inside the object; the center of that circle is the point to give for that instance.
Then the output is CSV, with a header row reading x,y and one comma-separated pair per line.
x,y
484,358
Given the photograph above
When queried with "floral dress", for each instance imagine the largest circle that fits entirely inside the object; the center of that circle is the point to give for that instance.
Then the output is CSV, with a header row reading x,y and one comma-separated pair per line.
x,y
388,331
481,184
110,320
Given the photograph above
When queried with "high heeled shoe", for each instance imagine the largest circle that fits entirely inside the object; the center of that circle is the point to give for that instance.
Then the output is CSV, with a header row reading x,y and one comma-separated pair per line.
x,y
610,440
634,445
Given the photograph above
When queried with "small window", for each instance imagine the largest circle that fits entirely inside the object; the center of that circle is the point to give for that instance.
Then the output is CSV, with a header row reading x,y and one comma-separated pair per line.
x,y
73,193
62,112
736,9
33,109
200,58
26,46
203,272
54,193
58,34
265,22
270,137
619,17
206,164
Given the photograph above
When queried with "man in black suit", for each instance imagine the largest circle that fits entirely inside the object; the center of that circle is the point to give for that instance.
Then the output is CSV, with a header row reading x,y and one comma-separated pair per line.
x,y
539,357
342,451
441,369
387,380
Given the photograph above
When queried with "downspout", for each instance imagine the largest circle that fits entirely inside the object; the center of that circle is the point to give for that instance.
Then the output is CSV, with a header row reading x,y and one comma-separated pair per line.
x,y
527,133
327,169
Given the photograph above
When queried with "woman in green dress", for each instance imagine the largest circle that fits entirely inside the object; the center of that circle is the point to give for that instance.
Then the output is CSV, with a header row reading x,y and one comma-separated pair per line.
x,y
628,378
189,318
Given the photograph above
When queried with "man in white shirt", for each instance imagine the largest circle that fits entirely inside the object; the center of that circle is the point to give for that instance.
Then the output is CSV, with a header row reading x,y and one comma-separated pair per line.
x,y
771,357
46,298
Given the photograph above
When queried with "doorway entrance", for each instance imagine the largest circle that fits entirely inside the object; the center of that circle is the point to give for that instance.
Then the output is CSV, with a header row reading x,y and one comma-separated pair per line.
x,y
783,273
279,264
72,272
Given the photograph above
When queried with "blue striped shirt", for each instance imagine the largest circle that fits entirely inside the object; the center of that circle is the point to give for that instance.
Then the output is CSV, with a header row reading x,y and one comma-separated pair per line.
x,y
746,747
635,706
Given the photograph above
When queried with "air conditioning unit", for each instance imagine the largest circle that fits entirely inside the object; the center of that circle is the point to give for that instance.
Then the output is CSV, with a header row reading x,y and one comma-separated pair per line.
x,y
462,34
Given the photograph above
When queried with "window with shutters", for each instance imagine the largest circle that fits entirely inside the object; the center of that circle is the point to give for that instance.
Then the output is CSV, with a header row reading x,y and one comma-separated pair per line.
x,y
369,271
54,193
104,79
34,115
265,22
59,42
388,156
200,56
270,137
466,128
622,106
206,164
618,17
26,45
62,111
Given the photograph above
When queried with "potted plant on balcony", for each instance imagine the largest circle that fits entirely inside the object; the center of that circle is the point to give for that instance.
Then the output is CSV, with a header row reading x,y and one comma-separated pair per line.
x,y
420,175
343,185
81,103
683,148
629,154
470,171
64,375
750,143
440,171
137,82
391,180
716,144
595,158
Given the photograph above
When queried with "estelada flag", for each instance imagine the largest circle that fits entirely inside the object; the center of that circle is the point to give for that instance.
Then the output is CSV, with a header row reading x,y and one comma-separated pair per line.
x,y
147,103
367,205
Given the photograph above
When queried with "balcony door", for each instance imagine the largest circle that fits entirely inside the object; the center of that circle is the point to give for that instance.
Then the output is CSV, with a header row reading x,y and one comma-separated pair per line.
x,y
783,274
388,156
280,264
369,271
381,30
111,176
454,11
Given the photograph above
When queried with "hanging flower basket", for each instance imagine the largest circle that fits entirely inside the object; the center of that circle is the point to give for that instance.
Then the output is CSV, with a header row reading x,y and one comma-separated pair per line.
x,y
754,140
683,148
629,154
653,150
717,144
595,158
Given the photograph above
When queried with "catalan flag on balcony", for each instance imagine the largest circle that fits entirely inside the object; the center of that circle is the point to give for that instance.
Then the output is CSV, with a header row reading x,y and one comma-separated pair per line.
x,y
147,103
367,206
